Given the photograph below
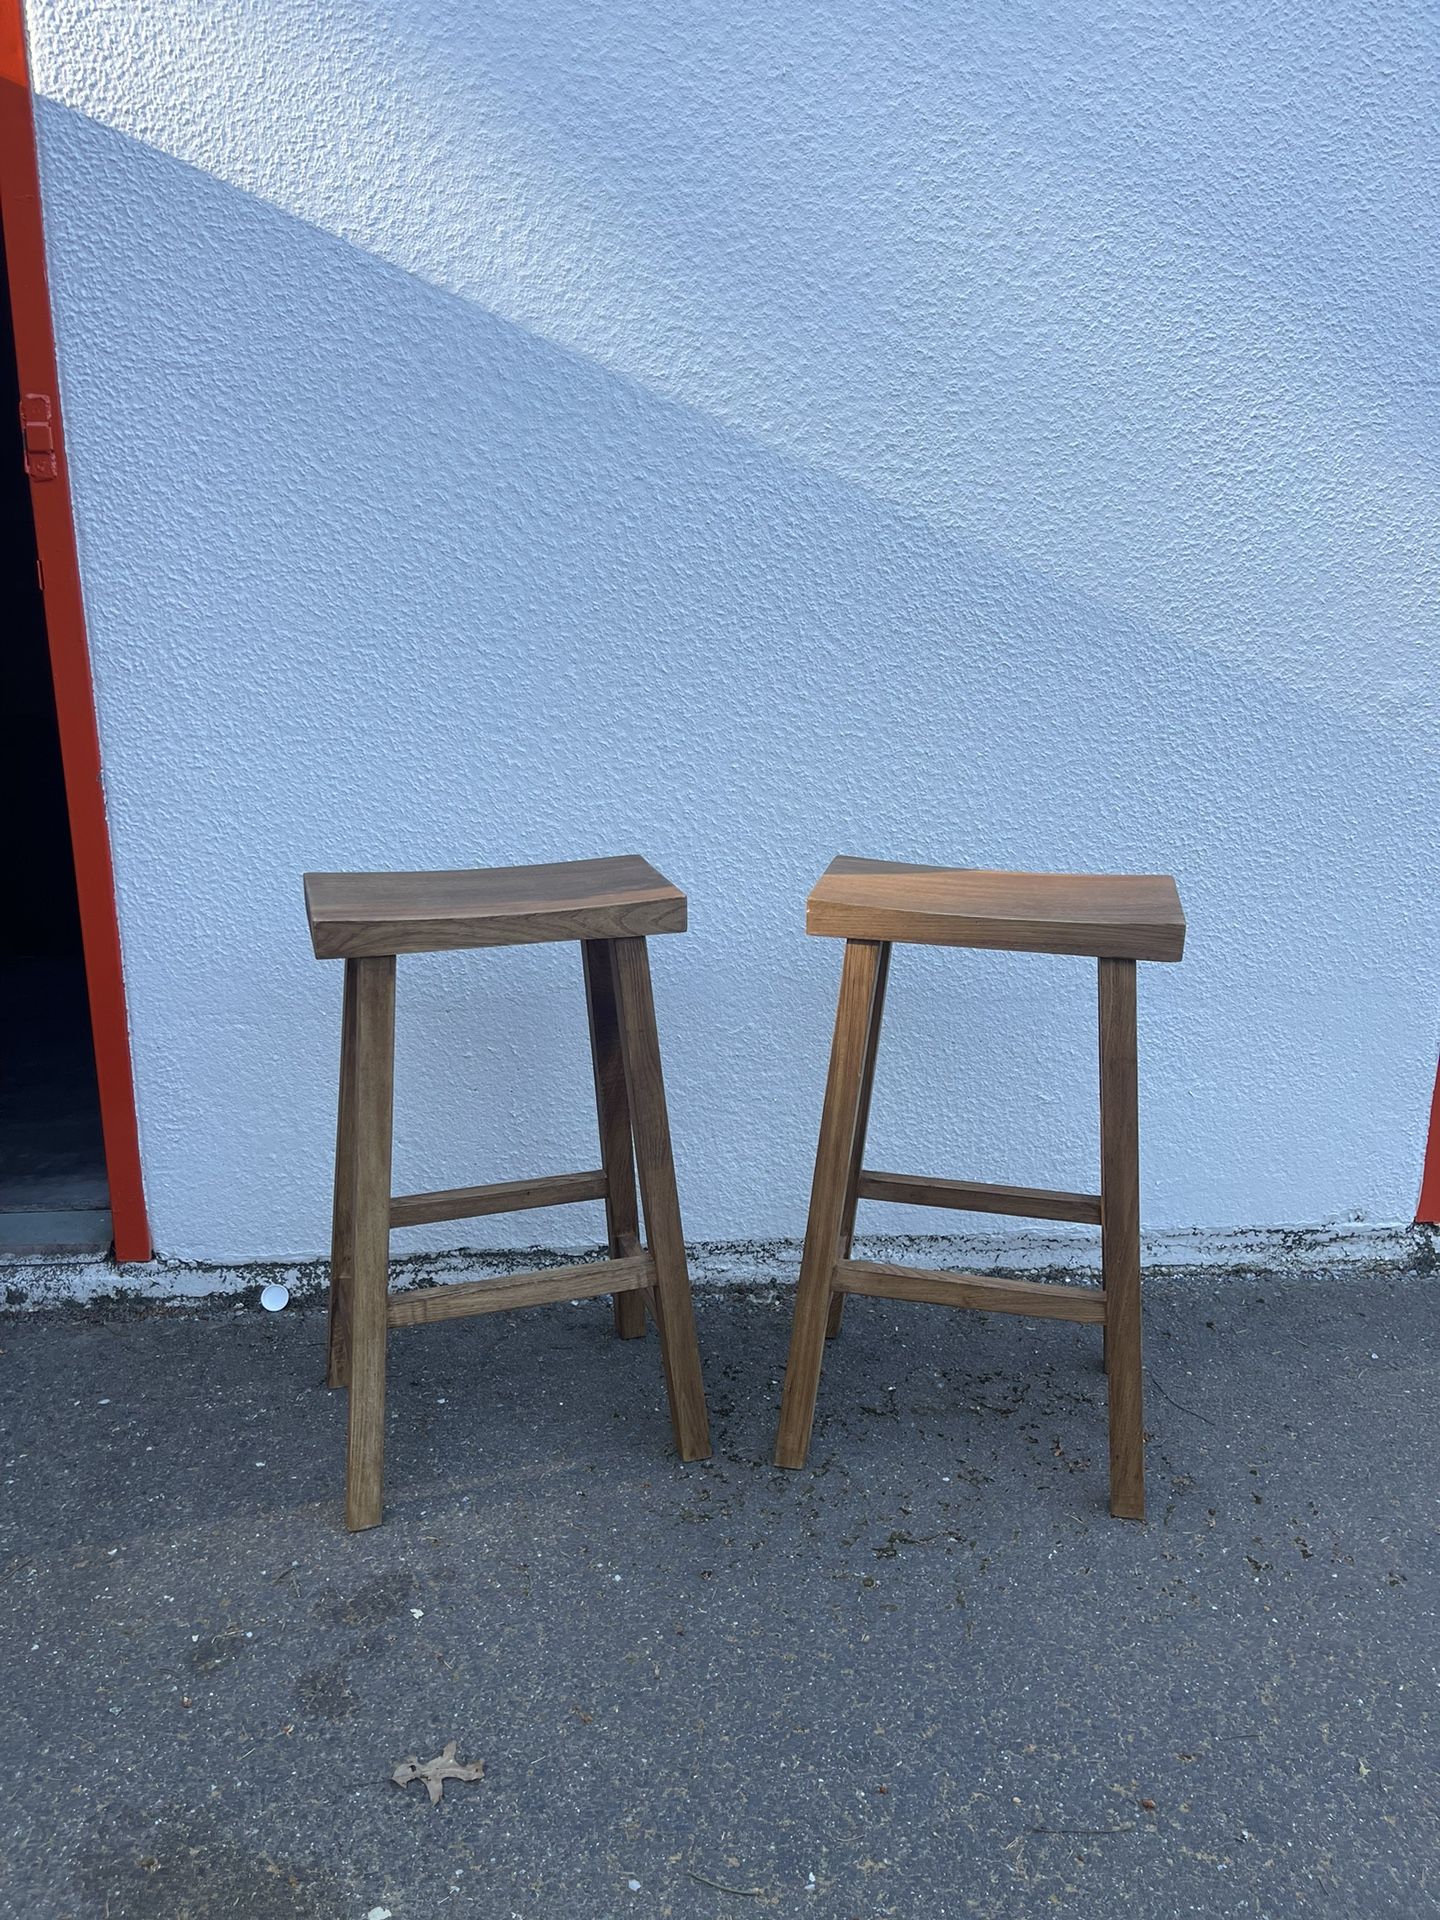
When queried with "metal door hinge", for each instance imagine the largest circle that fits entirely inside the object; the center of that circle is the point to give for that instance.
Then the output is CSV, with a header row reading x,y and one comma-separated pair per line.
x,y
36,417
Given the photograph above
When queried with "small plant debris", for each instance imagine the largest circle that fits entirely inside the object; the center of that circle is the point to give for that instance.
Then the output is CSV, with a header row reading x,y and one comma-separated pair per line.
x,y
436,1772
723,1886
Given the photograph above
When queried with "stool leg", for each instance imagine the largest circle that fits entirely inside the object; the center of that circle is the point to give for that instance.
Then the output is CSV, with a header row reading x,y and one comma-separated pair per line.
x,y
1120,1235
374,1059
862,1127
617,1141
342,1218
858,980
645,1085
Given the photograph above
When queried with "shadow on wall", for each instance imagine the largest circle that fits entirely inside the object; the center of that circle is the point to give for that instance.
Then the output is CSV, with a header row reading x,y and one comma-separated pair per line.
x,y
378,578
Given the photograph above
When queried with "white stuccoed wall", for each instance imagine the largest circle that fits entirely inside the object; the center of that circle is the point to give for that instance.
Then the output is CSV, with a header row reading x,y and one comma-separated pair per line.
x,y
1003,436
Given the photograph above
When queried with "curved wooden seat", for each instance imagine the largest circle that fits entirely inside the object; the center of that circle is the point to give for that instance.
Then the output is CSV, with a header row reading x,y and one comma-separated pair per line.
x,y
1110,916
354,915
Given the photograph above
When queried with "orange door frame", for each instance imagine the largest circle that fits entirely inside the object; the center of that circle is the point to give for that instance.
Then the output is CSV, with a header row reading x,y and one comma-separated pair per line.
x,y
44,449
1428,1210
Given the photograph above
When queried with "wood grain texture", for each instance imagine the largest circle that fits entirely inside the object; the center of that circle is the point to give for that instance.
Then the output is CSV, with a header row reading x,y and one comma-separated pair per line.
x,y
859,978
835,1312
374,1093
354,914
886,1280
1120,1235
501,1196
645,1087
543,1287
981,1196
1133,916
342,1217
612,1115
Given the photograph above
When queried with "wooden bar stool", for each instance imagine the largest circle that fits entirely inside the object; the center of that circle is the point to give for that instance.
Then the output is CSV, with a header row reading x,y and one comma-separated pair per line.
x,y
611,907
1117,919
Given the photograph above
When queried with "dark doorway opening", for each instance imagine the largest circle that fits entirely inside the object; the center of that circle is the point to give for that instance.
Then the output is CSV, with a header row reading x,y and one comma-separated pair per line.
x,y
53,1191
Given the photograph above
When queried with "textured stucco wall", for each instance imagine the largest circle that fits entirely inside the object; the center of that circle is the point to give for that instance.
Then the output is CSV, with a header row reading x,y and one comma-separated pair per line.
x,y
996,435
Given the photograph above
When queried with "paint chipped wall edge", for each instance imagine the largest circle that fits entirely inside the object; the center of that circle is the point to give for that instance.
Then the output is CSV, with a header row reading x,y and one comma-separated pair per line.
x,y
1309,1251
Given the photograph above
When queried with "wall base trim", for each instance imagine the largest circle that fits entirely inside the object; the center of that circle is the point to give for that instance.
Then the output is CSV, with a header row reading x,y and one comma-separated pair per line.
x,y
1304,1252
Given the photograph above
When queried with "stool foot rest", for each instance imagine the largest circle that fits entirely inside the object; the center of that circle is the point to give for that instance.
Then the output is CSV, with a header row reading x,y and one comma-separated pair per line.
x,y
885,1281
503,1196
543,1287
980,1196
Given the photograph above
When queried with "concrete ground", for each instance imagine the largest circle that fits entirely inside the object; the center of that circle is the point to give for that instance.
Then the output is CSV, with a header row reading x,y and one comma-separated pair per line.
x,y
927,1676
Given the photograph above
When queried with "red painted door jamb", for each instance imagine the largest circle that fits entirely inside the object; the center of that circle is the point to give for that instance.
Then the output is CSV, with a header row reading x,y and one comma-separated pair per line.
x,y
65,622
1429,1207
